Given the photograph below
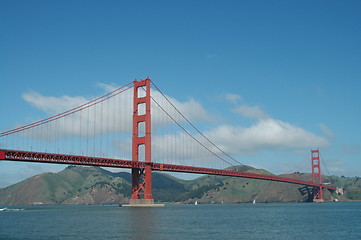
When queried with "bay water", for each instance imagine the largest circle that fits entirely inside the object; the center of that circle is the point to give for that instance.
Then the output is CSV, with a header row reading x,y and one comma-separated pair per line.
x,y
337,220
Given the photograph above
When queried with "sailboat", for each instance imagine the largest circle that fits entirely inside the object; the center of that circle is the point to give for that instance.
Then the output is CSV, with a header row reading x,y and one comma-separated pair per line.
x,y
196,203
254,201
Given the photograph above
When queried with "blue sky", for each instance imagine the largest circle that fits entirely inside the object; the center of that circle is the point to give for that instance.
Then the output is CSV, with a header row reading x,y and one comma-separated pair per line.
x,y
255,66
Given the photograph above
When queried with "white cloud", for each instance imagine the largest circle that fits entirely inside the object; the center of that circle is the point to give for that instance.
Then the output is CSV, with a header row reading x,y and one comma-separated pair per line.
x,y
114,117
191,109
233,98
107,87
53,105
326,130
265,134
111,116
251,112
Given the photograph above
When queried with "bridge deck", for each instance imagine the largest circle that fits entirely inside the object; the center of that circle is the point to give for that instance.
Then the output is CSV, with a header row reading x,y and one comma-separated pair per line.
x,y
25,156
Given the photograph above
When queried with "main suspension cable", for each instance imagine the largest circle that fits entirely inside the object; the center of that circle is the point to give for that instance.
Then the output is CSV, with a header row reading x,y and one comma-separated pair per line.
x,y
194,127
71,111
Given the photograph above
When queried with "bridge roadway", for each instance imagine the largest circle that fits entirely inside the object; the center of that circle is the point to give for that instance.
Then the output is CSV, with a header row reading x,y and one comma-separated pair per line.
x,y
25,156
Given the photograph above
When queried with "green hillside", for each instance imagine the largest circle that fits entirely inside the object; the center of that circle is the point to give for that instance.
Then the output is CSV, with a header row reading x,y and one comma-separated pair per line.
x,y
352,186
94,185
74,185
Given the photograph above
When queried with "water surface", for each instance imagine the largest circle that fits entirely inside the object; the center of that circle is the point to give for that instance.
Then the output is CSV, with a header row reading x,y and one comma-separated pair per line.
x,y
341,220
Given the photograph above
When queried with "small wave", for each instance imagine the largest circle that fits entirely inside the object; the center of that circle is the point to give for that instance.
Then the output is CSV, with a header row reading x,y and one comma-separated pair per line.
x,y
11,209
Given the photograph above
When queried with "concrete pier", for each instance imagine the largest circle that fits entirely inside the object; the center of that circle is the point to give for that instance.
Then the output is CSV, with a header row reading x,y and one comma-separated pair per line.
x,y
143,203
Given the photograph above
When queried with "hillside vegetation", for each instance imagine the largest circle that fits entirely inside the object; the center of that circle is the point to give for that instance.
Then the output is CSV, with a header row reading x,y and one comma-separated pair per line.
x,y
94,185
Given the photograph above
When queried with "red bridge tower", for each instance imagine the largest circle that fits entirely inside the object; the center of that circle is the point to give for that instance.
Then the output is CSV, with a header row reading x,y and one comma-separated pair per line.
x,y
316,175
141,144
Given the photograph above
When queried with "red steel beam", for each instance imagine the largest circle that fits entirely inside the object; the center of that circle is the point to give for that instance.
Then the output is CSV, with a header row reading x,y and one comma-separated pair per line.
x,y
24,156
212,171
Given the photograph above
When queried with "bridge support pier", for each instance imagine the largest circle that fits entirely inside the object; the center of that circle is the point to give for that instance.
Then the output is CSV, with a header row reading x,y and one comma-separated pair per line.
x,y
317,194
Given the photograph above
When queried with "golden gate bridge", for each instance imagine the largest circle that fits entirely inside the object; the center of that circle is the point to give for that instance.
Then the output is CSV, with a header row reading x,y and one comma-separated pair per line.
x,y
130,127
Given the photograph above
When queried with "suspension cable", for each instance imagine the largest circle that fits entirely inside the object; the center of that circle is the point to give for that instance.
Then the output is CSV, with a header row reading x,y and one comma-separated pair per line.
x,y
71,111
195,128
324,164
188,133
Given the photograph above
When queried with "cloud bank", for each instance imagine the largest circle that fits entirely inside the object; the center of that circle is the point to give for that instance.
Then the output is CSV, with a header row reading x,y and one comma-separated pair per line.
x,y
264,132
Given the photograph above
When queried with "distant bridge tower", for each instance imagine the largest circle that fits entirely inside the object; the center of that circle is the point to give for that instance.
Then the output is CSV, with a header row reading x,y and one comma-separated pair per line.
x,y
316,175
141,144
